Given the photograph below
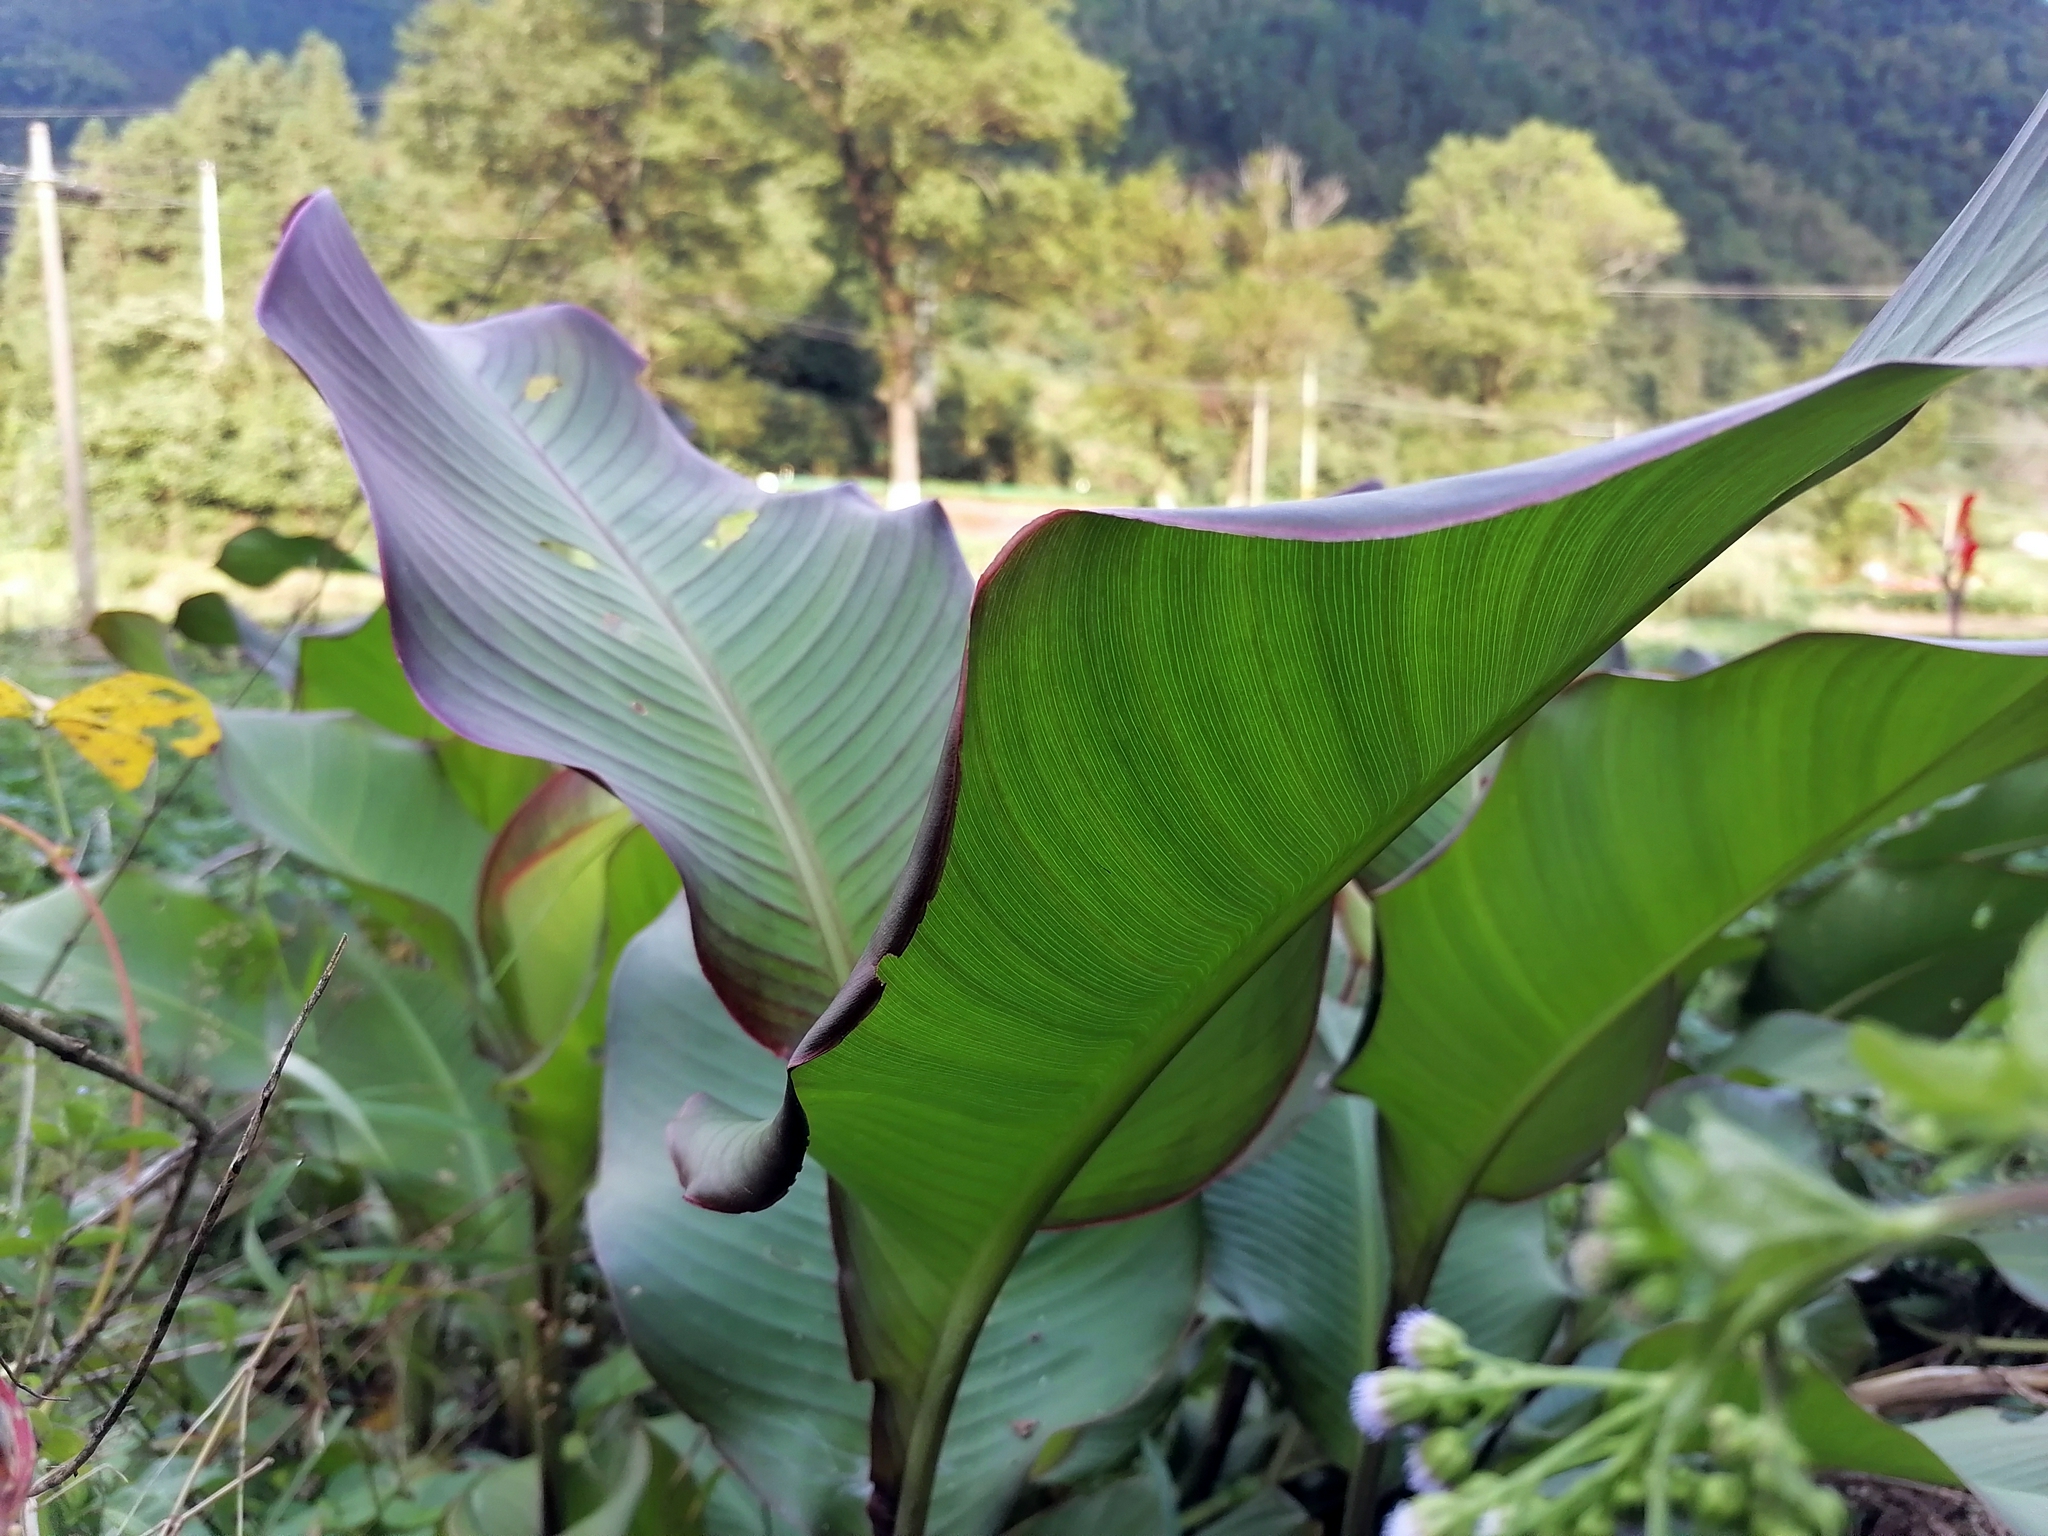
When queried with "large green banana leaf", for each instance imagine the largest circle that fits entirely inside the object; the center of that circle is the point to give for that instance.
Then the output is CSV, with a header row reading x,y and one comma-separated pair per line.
x,y
813,641
776,670
1181,732
739,1317
1526,1003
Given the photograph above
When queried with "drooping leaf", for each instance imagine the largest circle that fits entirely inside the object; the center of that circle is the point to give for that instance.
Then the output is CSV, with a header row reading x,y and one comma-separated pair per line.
x,y
258,556
136,640
1631,821
738,1317
1181,732
357,801
764,680
1297,1242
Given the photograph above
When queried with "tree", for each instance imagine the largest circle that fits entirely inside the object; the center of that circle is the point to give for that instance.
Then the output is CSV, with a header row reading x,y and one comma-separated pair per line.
x,y
607,155
1510,240
1223,283
927,108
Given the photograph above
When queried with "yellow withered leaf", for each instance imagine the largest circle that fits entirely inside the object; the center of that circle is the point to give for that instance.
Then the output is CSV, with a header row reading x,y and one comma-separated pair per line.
x,y
16,702
109,722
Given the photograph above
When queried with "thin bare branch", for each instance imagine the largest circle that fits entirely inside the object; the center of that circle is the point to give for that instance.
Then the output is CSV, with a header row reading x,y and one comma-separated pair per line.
x,y
59,1476
1948,1384
96,1321
78,1054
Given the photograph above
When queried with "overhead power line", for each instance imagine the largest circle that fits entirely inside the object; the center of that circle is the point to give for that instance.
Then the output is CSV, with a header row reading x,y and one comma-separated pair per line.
x,y
1749,291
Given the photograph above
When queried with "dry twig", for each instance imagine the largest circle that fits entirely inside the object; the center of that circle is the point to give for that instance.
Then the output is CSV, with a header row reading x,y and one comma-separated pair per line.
x,y
59,1476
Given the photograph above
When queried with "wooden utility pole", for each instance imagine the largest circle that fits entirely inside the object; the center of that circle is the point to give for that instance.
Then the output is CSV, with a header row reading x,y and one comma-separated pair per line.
x,y
1310,394
42,175
1262,423
212,293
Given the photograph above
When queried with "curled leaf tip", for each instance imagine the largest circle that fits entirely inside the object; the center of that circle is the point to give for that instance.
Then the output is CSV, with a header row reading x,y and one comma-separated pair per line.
x,y
731,1162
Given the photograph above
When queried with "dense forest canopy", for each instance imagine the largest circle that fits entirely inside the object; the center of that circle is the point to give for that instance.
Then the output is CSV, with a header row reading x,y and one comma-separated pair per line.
x,y
1828,139
1189,206
1824,140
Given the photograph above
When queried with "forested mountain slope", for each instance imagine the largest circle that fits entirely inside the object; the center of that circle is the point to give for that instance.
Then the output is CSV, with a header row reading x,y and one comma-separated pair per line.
x,y
1822,139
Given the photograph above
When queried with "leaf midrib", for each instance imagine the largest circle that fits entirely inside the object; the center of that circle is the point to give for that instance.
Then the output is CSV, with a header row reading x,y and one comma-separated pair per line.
x,y
806,862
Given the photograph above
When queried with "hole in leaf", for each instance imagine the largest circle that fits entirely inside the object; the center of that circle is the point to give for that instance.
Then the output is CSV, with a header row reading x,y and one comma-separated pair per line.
x,y
582,559
540,386
730,530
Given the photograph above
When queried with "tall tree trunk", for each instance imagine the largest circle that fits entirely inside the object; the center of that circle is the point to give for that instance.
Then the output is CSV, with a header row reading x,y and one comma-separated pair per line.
x,y
899,396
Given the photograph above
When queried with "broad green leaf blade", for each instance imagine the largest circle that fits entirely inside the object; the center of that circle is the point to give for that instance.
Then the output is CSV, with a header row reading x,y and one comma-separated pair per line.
x,y
357,801
1142,1504
2020,1255
2003,1462
1632,820
1181,732
397,1038
1269,1512
1921,948
764,680
2006,815
1797,1050
210,982
1297,1242
358,670
738,1317
1215,1096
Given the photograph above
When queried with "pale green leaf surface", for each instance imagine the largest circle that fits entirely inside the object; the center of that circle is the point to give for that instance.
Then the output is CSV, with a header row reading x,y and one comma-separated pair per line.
x,y
1498,1280
1798,1050
1298,1244
353,799
2003,1461
209,982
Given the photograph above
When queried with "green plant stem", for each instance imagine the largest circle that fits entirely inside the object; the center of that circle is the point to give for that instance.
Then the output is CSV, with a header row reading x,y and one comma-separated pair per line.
x,y
56,787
